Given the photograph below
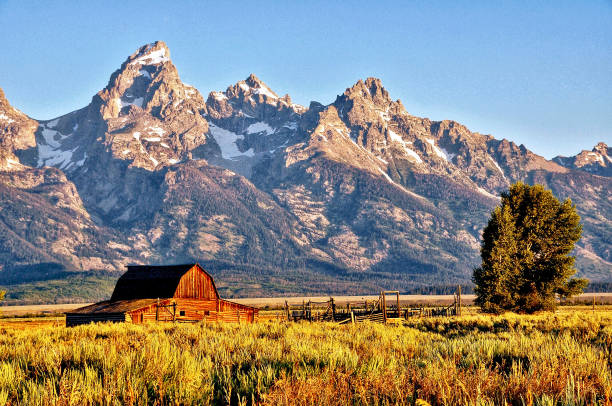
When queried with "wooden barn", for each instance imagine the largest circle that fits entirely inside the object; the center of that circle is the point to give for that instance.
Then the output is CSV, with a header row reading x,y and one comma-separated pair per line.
x,y
181,293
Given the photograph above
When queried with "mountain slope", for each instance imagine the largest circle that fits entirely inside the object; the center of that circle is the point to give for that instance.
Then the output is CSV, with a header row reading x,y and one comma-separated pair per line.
x,y
272,196
43,223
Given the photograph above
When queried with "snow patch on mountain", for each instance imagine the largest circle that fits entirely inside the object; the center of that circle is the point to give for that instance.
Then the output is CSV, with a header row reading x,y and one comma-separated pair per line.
x,y
156,130
413,154
152,58
6,118
136,102
82,161
497,166
260,127
50,151
448,155
442,154
190,91
265,91
13,164
227,142
388,178
597,157
48,156
397,138
484,192
218,96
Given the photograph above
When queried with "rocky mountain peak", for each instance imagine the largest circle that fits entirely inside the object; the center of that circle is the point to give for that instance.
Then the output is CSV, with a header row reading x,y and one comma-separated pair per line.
x,y
602,148
145,115
259,86
371,90
151,54
597,161
16,135
3,101
149,81
7,110
254,89
366,104
251,100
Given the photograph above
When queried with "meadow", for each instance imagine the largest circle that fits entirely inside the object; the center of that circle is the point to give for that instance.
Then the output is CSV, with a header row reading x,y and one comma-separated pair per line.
x,y
561,358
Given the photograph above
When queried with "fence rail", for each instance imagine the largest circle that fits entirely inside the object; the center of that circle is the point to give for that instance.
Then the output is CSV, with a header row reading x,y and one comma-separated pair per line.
x,y
378,311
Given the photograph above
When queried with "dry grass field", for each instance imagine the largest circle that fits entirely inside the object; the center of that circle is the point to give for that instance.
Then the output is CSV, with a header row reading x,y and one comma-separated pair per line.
x,y
561,358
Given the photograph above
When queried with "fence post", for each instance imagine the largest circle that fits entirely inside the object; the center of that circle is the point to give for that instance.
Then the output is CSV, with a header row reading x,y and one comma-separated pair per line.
x,y
459,300
384,306
157,311
399,313
333,306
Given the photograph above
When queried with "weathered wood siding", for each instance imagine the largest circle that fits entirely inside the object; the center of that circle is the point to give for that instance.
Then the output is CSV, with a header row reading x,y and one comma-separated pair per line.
x,y
193,310
196,284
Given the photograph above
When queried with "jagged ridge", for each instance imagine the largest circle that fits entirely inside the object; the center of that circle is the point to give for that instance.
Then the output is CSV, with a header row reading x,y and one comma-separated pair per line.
x,y
359,188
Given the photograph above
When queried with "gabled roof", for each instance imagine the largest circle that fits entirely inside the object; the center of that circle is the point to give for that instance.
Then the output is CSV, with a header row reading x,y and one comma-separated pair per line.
x,y
152,281
120,306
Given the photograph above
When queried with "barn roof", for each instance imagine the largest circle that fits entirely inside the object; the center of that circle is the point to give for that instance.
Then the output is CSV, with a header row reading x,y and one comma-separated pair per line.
x,y
120,306
152,281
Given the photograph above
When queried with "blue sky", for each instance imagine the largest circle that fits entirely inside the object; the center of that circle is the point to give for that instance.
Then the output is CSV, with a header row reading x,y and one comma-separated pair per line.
x,y
535,72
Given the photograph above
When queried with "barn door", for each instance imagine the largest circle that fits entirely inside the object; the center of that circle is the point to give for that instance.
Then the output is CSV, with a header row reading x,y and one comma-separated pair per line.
x,y
138,318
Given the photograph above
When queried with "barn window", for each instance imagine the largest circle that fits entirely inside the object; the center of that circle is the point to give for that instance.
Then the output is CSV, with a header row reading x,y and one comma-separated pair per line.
x,y
206,312
182,313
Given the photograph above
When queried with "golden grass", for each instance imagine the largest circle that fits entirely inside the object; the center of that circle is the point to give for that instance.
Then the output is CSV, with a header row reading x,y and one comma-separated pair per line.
x,y
546,359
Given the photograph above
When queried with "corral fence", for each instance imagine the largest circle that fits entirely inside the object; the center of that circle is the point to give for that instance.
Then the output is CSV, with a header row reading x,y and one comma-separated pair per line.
x,y
385,309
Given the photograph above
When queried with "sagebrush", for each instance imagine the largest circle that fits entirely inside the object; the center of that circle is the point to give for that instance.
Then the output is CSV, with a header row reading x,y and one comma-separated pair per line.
x,y
477,360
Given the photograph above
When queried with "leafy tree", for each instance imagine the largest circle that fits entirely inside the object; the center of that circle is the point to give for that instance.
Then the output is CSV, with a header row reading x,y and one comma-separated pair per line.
x,y
525,252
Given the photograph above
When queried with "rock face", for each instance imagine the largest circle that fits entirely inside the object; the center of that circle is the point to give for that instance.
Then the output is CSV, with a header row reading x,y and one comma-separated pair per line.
x,y
143,121
16,135
249,121
350,197
598,161
43,221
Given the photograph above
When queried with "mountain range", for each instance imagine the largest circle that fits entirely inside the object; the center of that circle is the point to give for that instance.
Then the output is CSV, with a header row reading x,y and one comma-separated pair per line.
x,y
272,197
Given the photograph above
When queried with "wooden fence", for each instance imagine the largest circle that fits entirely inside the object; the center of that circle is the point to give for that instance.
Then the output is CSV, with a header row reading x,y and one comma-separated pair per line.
x,y
382,310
